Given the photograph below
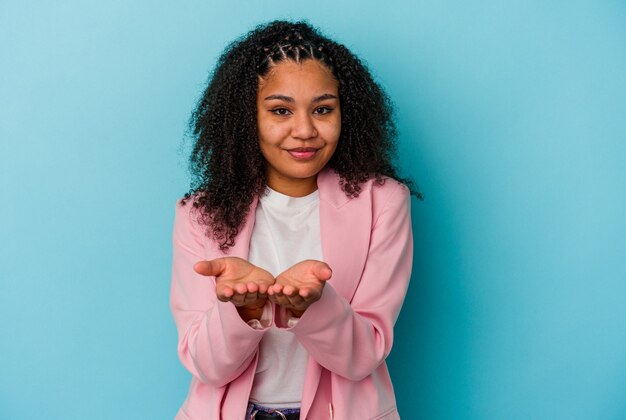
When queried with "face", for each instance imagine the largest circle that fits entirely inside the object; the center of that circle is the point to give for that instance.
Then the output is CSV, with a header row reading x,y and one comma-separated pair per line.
x,y
299,122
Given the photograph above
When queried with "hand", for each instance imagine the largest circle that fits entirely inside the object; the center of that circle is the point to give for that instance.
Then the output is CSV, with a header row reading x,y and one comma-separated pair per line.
x,y
299,286
238,281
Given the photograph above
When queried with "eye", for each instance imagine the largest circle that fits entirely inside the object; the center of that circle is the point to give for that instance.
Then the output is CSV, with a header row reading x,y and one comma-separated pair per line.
x,y
322,110
280,111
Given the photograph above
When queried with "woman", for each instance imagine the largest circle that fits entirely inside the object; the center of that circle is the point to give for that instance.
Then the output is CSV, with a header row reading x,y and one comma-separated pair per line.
x,y
293,250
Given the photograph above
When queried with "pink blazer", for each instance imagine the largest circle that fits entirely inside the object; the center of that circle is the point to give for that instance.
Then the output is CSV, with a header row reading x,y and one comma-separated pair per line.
x,y
348,333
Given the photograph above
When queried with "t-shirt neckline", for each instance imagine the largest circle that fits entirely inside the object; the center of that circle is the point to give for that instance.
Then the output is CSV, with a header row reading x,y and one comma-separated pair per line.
x,y
275,198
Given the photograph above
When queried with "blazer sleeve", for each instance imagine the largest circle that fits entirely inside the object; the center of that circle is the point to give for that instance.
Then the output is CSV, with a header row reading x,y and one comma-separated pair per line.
x,y
352,339
214,343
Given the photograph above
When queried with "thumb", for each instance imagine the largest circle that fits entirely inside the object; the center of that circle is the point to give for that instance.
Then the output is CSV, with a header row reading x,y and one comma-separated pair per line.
x,y
210,268
322,271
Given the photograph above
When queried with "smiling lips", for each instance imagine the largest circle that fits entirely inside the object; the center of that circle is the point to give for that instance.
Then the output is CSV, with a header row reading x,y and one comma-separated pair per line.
x,y
302,153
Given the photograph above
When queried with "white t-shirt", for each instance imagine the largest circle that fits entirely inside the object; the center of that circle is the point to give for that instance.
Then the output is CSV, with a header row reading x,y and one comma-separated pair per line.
x,y
286,231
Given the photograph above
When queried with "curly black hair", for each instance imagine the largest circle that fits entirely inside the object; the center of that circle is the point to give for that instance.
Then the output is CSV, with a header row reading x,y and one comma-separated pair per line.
x,y
226,163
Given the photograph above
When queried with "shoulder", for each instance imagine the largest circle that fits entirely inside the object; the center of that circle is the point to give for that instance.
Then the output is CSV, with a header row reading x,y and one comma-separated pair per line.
x,y
382,199
374,191
388,197
187,215
186,206
387,189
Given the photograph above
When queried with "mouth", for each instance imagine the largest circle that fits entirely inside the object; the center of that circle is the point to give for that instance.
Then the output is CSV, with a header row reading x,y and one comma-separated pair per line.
x,y
303,153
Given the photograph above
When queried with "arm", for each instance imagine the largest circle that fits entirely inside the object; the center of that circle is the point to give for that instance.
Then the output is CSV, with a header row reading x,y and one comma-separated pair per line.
x,y
214,343
352,339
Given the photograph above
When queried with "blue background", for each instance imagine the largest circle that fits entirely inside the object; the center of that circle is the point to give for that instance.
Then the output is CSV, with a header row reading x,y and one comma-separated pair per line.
x,y
512,120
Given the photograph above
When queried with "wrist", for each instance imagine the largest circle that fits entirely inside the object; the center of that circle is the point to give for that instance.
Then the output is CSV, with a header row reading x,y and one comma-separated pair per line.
x,y
248,313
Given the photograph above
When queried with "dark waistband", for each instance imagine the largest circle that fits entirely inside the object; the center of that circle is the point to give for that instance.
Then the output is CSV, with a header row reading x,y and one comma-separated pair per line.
x,y
264,413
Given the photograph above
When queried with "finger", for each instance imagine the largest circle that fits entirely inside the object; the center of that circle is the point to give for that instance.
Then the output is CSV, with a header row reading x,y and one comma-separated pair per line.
x,y
296,301
289,290
275,293
224,293
250,298
275,289
322,271
210,268
241,288
304,292
239,299
310,295
263,289
283,300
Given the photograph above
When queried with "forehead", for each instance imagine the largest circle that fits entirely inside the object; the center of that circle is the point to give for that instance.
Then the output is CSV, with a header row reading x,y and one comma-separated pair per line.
x,y
293,77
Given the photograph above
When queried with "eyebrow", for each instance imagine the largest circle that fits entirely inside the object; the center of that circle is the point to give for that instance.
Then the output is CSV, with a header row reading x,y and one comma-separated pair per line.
x,y
291,100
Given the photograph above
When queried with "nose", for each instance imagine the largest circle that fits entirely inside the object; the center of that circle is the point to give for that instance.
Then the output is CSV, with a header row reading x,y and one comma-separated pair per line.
x,y
303,127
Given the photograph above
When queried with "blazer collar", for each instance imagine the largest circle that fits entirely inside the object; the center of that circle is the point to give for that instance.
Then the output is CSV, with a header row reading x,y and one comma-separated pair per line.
x,y
327,183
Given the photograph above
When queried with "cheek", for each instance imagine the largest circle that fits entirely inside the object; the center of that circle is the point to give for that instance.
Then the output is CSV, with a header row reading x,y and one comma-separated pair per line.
x,y
335,126
333,149
271,133
333,133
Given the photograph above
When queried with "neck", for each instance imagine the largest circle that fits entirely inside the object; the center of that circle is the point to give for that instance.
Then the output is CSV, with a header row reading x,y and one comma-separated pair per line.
x,y
293,188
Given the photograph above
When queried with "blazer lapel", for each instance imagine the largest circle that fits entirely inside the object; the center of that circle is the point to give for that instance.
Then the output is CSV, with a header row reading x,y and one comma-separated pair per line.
x,y
345,226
